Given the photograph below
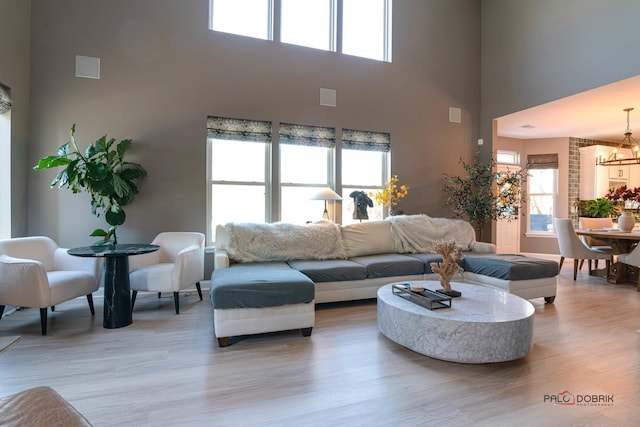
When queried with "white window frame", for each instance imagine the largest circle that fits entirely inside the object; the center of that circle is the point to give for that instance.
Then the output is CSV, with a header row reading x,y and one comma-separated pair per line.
x,y
267,184
336,27
554,196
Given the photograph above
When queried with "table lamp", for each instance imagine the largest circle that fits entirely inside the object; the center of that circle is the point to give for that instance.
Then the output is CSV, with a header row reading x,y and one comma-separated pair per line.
x,y
326,194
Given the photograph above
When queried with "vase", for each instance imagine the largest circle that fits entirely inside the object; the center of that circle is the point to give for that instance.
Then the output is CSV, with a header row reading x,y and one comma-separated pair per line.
x,y
626,222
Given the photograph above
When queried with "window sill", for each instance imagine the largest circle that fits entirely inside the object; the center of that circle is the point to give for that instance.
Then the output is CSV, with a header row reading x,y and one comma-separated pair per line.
x,y
541,235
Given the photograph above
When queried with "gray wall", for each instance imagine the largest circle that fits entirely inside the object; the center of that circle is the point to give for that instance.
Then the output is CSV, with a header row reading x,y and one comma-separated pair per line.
x,y
538,51
163,72
15,28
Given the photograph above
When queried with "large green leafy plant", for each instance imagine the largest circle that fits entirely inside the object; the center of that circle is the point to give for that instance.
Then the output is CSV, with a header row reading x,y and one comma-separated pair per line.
x,y
485,195
103,173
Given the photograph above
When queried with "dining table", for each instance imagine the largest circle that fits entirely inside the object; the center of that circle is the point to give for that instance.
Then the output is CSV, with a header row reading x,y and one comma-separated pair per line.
x,y
622,243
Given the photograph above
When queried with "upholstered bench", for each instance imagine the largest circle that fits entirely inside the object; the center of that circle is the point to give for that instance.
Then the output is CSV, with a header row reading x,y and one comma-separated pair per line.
x,y
517,274
261,297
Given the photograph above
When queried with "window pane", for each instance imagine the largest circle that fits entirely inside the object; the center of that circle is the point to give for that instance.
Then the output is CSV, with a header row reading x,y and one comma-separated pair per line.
x,y
307,23
249,18
304,165
541,213
296,207
238,161
239,203
542,181
360,167
363,28
375,213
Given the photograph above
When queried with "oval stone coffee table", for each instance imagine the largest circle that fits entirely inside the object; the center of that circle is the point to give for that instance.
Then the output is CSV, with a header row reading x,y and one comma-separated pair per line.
x,y
484,325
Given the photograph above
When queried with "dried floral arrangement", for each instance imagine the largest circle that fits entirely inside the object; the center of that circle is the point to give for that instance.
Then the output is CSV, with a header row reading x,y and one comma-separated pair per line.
x,y
450,252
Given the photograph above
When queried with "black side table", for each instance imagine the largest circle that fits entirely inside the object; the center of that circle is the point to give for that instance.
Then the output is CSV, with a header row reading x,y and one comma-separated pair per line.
x,y
117,294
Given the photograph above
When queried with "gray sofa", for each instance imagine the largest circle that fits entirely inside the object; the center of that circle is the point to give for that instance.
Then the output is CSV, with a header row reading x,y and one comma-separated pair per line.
x,y
267,277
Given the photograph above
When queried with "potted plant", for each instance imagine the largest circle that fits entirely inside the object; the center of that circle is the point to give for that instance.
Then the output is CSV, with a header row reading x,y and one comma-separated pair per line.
x,y
103,173
485,195
600,208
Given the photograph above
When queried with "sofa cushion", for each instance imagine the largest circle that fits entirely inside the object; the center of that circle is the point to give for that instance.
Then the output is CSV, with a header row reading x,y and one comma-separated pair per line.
x,y
330,270
510,267
259,285
367,238
427,259
387,265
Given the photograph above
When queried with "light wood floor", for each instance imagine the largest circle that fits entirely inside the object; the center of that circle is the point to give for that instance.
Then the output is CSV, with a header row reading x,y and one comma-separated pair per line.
x,y
166,370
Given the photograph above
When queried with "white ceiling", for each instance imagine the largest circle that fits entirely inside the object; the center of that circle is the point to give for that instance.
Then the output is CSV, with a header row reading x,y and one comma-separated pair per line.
x,y
595,114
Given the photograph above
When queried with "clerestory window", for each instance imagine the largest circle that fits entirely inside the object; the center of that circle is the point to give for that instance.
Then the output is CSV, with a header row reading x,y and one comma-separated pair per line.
x,y
353,27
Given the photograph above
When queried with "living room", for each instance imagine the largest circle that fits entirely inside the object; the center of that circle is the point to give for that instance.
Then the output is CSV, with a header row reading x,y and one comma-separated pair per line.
x,y
163,72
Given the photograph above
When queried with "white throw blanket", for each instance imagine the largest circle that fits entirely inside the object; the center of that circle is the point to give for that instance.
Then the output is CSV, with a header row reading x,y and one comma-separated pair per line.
x,y
418,233
256,242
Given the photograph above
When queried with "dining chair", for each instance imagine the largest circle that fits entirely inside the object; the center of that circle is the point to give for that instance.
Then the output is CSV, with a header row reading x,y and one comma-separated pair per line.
x,y
178,263
586,223
36,272
631,259
572,247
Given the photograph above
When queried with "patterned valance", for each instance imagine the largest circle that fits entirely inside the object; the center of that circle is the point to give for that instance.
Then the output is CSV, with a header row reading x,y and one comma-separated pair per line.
x,y
542,161
364,140
5,100
316,136
238,129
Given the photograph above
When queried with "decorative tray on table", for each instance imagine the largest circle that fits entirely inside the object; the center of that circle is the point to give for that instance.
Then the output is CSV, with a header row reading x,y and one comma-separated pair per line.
x,y
425,298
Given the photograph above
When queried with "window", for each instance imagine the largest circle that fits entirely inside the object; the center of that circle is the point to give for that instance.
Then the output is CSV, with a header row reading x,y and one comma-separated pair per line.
x,y
365,27
504,157
308,23
238,170
243,187
306,167
543,192
365,167
251,18
5,169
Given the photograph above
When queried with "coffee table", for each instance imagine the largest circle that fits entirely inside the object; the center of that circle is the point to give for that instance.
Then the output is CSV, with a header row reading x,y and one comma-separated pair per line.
x,y
484,325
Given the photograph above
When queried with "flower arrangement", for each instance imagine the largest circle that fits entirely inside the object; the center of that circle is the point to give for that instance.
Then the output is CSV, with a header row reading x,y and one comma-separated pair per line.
x,y
627,198
392,193
450,252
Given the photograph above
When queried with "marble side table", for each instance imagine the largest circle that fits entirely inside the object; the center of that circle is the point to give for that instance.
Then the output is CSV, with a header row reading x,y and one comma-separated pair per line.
x,y
117,293
485,325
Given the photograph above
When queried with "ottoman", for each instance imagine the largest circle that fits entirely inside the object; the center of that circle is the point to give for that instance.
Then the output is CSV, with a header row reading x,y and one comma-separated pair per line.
x,y
261,297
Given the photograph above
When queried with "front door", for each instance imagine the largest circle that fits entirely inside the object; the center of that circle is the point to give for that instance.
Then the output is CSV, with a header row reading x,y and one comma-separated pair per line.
x,y
508,232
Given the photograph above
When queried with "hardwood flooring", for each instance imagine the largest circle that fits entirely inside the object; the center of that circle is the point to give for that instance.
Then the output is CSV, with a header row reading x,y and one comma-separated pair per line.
x,y
167,370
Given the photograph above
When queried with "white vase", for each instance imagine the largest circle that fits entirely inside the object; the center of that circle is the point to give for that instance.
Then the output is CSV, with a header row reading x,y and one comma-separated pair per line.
x,y
626,222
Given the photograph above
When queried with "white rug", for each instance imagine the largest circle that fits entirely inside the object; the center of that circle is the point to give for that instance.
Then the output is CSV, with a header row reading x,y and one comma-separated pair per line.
x,y
7,342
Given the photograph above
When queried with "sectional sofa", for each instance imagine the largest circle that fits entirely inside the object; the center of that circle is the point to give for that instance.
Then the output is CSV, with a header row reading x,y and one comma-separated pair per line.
x,y
268,277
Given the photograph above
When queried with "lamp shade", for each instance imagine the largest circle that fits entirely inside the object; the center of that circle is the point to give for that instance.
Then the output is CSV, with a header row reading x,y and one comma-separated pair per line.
x,y
326,194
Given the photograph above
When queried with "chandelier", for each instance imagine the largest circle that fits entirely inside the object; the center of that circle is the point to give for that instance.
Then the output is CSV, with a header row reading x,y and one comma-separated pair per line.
x,y
617,158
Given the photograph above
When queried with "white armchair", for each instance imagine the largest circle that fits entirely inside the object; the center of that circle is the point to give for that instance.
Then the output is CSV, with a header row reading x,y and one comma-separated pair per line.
x,y
35,272
178,263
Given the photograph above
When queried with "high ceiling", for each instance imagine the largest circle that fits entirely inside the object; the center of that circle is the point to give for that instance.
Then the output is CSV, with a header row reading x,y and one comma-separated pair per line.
x,y
595,114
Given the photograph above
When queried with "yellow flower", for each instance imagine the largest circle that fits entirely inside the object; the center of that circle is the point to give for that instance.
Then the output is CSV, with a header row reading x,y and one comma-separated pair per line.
x,y
391,194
